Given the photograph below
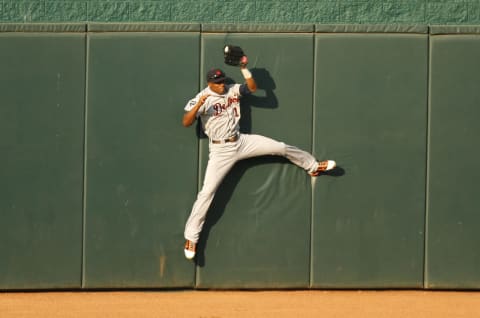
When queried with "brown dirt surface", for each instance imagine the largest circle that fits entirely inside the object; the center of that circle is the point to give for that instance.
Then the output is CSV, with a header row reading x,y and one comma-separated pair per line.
x,y
251,304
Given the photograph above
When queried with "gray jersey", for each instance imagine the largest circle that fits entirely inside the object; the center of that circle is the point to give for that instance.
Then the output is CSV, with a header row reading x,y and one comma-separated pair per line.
x,y
220,114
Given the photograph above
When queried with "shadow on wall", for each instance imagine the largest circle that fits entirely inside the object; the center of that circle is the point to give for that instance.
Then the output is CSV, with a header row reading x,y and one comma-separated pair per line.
x,y
226,190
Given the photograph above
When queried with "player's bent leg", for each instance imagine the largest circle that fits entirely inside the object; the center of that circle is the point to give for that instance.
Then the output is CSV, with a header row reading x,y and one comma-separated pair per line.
x,y
216,170
257,145
301,158
195,221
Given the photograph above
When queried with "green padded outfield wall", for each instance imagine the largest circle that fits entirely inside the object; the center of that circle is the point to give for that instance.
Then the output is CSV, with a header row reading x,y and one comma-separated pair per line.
x,y
370,115
98,175
453,254
141,162
42,81
257,233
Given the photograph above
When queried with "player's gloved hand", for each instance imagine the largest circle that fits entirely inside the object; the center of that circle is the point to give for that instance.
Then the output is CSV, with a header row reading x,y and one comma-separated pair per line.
x,y
232,54
243,61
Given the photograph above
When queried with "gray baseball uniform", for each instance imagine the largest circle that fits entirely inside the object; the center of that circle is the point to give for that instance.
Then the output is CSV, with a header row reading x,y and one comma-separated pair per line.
x,y
220,116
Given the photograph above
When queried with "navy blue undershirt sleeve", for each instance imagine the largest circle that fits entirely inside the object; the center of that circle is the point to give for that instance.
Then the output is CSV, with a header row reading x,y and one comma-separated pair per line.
x,y
244,90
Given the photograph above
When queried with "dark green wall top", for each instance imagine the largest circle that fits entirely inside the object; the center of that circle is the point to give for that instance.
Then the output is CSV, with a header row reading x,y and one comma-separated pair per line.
x,y
248,11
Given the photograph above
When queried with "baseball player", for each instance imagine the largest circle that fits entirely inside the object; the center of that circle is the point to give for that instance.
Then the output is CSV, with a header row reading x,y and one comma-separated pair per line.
x,y
218,107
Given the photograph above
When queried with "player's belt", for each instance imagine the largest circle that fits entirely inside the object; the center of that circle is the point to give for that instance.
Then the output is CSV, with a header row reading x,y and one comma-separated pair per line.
x,y
222,141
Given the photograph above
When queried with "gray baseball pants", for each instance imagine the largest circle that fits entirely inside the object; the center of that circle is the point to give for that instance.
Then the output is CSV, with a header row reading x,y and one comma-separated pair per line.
x,y
221,159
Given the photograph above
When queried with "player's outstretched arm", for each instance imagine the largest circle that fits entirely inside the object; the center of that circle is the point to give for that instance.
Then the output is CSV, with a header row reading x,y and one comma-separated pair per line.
x,y
249,80
190,116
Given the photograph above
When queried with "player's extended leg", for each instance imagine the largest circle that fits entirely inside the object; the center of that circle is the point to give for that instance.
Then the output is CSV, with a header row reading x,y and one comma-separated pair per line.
x,y
257,145
219,163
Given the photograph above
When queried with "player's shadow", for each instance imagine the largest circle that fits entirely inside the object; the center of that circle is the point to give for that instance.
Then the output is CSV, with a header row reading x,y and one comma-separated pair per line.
x,y
225,193
264,97
337,172
223,196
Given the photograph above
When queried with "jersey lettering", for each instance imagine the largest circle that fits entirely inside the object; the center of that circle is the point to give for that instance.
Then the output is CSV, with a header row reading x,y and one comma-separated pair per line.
x,y
232,100
220,108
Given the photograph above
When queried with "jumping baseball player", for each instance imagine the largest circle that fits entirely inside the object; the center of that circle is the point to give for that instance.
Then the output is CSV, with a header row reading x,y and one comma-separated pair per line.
x,y
218,107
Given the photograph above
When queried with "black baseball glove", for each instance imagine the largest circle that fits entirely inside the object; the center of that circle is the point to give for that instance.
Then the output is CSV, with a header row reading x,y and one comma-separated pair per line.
x,y
233,55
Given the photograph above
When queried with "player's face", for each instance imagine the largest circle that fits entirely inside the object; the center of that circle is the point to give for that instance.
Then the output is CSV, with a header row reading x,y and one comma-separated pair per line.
x,y
218,88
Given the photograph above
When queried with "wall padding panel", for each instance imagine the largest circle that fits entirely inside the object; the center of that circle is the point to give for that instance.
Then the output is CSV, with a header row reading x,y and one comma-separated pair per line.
x,y
41,143
453,255
257,233
141,162
370,116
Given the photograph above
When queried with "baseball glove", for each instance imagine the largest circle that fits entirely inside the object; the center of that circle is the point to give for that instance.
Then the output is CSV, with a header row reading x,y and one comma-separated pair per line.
x,y
233,55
